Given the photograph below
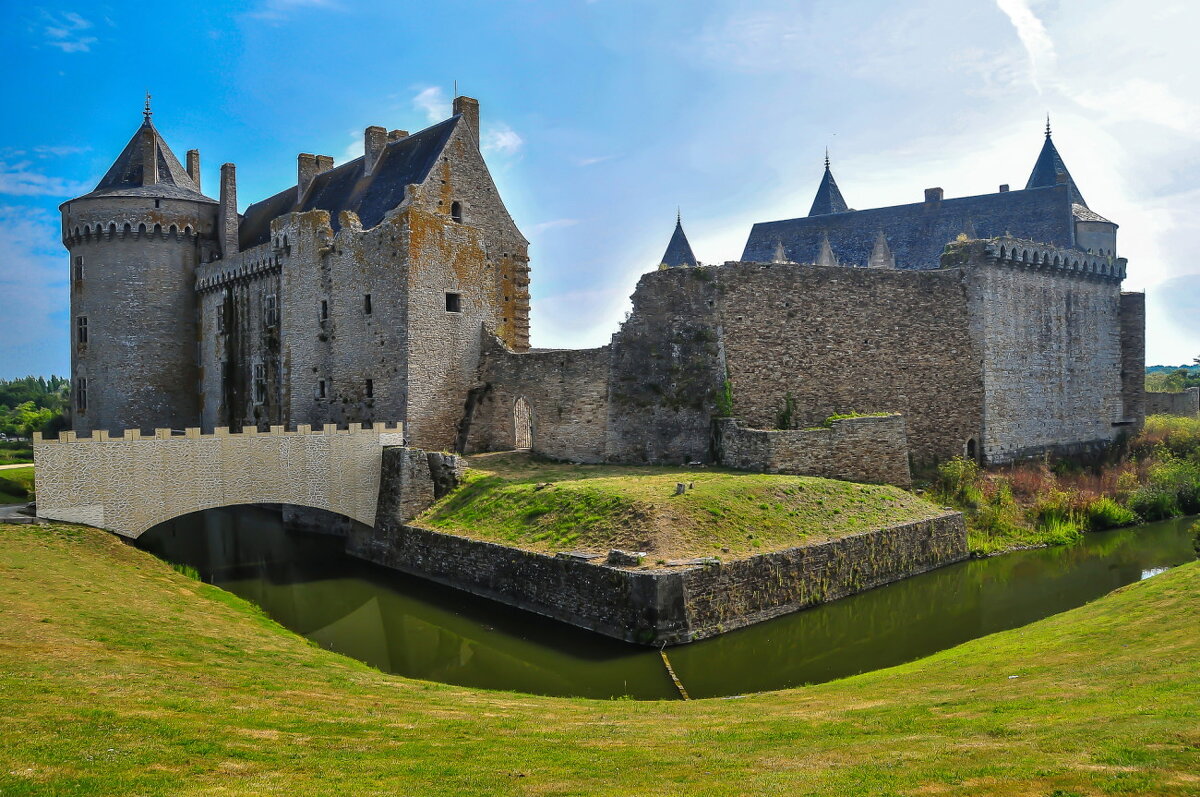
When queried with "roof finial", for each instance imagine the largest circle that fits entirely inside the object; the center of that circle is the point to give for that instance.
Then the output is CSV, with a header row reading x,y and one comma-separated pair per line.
x,y
147,113
827,157
1047,125
678,215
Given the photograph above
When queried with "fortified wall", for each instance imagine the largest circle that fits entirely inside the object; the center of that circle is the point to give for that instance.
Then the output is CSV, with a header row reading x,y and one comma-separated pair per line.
x,y
1185,403
1009,349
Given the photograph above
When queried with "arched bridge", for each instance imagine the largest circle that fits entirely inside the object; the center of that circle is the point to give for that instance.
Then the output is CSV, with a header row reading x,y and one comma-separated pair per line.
x,y
132,483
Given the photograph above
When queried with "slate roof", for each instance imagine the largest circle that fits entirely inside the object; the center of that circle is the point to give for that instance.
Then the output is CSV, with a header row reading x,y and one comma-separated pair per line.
x,y
1049,168
125,177
1084,213
679,251
829,198
402,163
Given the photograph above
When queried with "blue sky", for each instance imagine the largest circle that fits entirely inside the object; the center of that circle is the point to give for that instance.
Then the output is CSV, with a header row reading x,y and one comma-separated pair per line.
x,y
599,118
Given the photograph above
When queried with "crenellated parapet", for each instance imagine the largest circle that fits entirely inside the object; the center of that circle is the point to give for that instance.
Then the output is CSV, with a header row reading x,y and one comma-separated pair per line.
x,y
243,267
1031,255
394,431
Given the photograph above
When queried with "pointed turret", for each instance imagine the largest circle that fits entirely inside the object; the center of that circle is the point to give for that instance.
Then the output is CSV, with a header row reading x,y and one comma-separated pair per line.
x,y
829,198
147,167
1049,170
679,251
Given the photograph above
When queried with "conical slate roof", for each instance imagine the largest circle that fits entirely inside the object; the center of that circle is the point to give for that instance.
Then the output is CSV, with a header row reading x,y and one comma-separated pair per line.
x,y
1049,170
127,176
829,198
679,251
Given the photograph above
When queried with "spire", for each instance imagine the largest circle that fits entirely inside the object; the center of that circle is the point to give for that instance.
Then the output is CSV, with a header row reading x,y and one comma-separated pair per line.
x,y
826,257
147,167
679,251
1049,170
829,198
881,253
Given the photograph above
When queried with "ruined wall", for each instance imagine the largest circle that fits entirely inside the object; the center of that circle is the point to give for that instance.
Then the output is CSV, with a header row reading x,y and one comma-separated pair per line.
x,y
1185,403
1133,357
567,393
654,607
842,340
1050,334
138,259
873,449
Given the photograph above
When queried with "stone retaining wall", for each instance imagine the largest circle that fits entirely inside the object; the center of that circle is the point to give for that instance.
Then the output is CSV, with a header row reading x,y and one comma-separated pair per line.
x,y
1185,403
672,606
869,449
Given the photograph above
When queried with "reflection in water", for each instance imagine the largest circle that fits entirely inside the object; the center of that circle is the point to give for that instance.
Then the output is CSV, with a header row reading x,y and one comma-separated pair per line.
x,y
405,625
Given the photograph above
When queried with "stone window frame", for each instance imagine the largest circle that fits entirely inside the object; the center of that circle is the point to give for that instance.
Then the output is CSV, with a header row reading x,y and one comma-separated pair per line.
x,y
270,310
323,311
322,390
81,330
453,302
78,272
81,394
369,388
368,305
259,373
456,212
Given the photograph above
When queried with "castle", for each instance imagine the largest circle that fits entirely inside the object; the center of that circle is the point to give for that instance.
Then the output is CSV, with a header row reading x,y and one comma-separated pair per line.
x,y
396,287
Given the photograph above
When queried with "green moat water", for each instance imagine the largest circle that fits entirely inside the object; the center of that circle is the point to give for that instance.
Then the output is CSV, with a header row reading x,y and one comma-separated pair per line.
x,y
405,625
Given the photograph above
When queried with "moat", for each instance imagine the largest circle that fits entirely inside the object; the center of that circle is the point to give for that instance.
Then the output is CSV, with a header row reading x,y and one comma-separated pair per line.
x,y
411,627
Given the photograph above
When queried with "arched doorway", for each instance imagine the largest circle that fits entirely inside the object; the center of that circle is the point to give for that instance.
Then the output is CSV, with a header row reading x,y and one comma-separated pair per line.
x,y
522,425
972,449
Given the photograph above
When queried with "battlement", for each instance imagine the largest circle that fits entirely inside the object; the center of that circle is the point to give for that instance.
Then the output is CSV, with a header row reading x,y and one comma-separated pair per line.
x,y
126,229
394,431
244,265
1034,256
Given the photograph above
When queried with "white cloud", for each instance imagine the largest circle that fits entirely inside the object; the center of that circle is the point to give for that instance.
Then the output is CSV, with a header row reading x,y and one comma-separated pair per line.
x,y
17,179
433,103
1144,100
278,10
593,161
66,32
354,149
33,332
58,152
1034,38
501,138
552,225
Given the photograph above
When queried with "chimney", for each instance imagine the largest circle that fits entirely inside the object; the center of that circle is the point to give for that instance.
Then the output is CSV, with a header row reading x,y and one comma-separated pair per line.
x,y
396,135
324,163
469,109
193,165
374,140
933,195
306,170
149,156
1004,188
227,215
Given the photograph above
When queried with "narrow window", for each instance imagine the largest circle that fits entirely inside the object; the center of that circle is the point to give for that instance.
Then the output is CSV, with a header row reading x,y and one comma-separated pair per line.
x,y
81,394
453,302
456,212
270,310
221,317
367,303
81,330
322,390
78,269
324,310
972,451
260,383
370,388
157,203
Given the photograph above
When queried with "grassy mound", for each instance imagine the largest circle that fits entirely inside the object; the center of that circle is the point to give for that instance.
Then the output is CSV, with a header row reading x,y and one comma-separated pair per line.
x,y
549,506
119,675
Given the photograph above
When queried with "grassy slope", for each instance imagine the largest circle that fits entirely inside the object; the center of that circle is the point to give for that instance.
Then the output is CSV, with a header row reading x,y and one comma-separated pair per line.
x,y
598,507
15,485
120,676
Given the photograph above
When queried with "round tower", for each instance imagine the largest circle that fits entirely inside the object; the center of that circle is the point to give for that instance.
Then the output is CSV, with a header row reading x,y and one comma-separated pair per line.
x,y
135,242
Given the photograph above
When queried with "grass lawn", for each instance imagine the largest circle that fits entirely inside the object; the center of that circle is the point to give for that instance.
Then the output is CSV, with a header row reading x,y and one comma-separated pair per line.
x,y
551,506
119,675
12,452
16,485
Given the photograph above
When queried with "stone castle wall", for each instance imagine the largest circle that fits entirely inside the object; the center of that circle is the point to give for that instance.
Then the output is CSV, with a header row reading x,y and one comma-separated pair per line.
x,y
1185,403
872,449
655,607
1048,323
567,392
1133,357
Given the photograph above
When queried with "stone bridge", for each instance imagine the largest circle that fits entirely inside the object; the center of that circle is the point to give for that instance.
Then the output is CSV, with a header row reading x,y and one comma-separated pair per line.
x,y
132,483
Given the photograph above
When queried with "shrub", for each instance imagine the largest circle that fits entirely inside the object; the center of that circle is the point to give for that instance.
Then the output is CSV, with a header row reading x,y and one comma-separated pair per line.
x,y
1195,531
1105,513
1151,503
958,481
